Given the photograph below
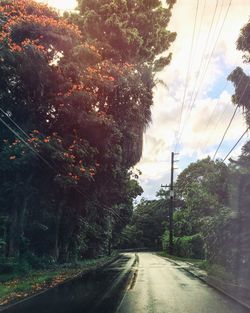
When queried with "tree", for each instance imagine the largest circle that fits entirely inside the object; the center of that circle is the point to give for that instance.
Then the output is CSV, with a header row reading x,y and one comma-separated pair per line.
x,y
241,80
203,185
147,225
240,167
78,104
131,34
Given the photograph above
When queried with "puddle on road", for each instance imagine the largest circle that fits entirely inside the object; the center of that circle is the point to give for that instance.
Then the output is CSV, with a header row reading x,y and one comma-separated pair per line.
x,y
80,295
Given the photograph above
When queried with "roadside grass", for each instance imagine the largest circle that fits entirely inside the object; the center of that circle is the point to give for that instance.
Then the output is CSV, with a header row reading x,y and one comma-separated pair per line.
x,y
214,271
16,286
202,264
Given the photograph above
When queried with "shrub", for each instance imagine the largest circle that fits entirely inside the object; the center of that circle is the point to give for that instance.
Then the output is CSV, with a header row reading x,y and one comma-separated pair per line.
x,y
14,265
165,240
186,246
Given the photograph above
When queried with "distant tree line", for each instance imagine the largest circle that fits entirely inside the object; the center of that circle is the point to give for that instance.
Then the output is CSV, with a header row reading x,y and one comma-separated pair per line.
x,y
75,98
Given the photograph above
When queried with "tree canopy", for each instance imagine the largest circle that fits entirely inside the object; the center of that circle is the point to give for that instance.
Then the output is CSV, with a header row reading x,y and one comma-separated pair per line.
x,y
75,97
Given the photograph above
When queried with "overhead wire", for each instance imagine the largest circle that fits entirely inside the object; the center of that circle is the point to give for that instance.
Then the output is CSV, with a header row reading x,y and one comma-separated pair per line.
x,y
220,115
47,163
236,144
187,74
205,47
26,143
194,100
230,122
206,50
212,113
225,132
8,116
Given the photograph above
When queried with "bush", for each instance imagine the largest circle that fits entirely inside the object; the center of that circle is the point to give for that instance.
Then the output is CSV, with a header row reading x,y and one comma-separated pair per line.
x,y
37,262
186,246
24,264
13,265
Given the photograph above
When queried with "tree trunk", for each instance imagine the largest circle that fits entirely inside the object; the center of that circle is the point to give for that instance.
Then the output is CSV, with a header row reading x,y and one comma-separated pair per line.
x,y
57,229
12,249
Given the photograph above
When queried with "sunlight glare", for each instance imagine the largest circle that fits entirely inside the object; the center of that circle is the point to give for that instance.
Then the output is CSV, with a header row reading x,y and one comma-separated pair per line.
x,y
62,5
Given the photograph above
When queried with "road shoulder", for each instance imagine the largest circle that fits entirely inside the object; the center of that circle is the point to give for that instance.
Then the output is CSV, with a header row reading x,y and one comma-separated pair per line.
x,y
203,276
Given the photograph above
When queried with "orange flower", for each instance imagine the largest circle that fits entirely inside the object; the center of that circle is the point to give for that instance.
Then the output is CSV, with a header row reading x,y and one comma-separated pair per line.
x,y
33,139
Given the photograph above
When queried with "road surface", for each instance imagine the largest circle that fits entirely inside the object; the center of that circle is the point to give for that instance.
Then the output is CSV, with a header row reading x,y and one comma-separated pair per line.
x,y
162,287
98,291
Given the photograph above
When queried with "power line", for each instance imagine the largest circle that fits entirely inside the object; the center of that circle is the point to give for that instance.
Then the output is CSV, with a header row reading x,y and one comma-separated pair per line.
x,y
213,111
27,144
7,115
230,122
210,58
194,100
222,113
203,54
225,132
205,49
236,144
52,167
188,70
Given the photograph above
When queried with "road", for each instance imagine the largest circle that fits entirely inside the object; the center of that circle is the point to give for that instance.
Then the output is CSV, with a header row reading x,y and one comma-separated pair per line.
x,y
98,291
162,287
157,286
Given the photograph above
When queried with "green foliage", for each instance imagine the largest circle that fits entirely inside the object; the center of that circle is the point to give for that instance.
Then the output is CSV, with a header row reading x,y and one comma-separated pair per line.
x,y
81,89
14,266
131,30
239,78
212,217
216,204
182,224
147,225
186,246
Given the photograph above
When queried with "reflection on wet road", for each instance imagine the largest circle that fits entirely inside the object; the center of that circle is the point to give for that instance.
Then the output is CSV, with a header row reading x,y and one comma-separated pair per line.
x,y
161,287
154,285
95,292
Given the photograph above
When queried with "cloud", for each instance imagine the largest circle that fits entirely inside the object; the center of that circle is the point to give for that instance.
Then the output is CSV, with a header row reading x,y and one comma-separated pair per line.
x,y
204,88
212,109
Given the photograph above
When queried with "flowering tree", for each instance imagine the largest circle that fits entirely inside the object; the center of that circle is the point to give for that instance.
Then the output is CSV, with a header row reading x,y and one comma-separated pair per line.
x,y
75,97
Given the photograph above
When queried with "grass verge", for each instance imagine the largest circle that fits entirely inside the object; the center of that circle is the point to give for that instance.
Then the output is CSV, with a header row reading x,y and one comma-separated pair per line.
x,y
214,271
202,264
16,286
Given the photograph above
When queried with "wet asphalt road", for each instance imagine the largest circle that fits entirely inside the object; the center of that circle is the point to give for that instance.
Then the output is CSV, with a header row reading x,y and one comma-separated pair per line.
x,y
162,287
98,291
151,285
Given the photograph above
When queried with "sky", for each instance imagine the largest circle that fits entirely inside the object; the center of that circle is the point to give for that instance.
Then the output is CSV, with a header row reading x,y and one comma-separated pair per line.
x,y
192,106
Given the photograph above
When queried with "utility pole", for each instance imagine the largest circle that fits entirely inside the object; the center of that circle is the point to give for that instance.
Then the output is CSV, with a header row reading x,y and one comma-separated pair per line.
x,y
171,207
